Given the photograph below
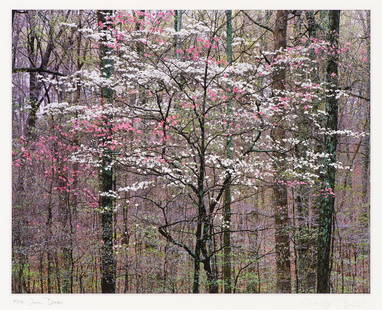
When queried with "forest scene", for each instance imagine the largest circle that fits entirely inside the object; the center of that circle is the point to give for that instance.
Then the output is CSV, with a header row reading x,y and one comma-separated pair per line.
x,y
190,151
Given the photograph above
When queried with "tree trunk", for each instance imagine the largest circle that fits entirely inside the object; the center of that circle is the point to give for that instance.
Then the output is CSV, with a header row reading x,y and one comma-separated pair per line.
x,y
41,271
326,211
211,276
283,270
196,277
125,242
106,176
65,218
304,245
48,245
207,248
366,157
33,82
227,194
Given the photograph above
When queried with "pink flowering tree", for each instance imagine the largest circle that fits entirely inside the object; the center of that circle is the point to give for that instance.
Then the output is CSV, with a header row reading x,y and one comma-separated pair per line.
x,y
169,123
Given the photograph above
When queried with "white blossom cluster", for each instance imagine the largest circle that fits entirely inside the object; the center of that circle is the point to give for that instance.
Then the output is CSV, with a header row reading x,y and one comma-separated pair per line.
x,y
189,104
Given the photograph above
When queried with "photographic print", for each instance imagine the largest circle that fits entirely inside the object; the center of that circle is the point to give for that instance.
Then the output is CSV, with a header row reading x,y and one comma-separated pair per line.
x,y
190,151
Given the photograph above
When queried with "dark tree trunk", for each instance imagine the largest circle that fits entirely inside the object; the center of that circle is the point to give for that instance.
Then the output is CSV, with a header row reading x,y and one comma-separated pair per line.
x,y
65,218
283,271
41,271
227,193
196,284
34,88
326,206
106,202
207,249
125,242
211,276
366,158
49,249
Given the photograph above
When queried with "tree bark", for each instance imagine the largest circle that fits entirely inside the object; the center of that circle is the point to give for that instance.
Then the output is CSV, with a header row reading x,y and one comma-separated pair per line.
x,y
106,175
125,242
283,270
327,202
227,199
34,88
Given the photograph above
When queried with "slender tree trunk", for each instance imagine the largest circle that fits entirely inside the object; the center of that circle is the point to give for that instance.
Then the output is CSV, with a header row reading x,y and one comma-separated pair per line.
x,y
57,272
48,251
283,270
33,82
207,248
295,247
227,194
33,100
41,271
366,157
326,211
67,232
202,215
196,278
125,242
106,175
304,246
68,204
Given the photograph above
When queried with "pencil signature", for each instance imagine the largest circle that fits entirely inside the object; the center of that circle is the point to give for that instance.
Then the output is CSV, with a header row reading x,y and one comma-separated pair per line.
x,y
37,301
